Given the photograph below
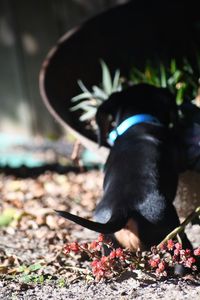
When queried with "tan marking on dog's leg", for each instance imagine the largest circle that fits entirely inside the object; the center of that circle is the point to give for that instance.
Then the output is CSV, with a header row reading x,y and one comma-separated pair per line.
x,y
128,237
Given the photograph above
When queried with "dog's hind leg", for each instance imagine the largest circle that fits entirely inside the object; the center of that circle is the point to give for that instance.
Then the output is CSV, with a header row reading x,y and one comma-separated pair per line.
x,y
128,237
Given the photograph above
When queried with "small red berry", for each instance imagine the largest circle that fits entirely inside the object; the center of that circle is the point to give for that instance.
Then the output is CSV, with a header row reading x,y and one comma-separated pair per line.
x,y
94,263
154,262
191,260
113,254
178,246
170,245
161,266
67,249
176,252
187,252
119,252
74,247
104,260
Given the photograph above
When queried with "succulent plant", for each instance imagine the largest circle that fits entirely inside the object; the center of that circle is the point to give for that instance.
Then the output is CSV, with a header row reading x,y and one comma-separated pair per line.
x,y
88,101
182,81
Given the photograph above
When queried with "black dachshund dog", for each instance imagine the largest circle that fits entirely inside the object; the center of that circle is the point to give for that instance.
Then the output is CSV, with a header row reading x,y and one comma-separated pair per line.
x,y
141,172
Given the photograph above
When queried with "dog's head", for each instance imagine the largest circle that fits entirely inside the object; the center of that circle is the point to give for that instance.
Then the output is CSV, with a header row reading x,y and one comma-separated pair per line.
x,y
137,99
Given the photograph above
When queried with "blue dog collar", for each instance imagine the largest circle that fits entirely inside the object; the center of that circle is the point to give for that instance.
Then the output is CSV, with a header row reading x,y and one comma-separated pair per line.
x,y
131,121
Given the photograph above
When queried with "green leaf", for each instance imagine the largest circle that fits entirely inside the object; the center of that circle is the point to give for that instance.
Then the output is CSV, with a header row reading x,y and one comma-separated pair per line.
x,y
182,82
173,66
27,278
35,267
106,78
175,77
82,86
39,279
180,95
22,269
61,282
116,82
7,216
85,105
82,96
163,75
88,115
138,75
187,67
99,93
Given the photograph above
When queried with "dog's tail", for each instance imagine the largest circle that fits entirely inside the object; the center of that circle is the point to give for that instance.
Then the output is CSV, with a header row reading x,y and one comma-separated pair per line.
x,y
106,228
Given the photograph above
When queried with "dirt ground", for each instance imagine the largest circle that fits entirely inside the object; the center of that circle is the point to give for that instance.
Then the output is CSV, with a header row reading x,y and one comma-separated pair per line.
x,y
32,263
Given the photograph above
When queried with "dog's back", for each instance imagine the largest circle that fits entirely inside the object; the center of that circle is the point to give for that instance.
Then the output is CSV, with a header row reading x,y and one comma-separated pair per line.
x,y
141,176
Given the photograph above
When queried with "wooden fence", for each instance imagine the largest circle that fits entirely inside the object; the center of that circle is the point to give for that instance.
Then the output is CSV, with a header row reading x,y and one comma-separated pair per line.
x,y
28,29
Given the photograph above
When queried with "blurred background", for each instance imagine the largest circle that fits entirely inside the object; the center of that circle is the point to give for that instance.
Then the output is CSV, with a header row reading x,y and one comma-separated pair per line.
x,y
28,30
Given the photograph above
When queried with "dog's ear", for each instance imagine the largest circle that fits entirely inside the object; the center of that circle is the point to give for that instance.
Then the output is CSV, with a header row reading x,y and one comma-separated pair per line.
x,y
104,117
103,120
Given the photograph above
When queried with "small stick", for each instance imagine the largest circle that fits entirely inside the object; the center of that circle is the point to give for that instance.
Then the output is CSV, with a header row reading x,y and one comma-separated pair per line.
x,y
75,156
180,228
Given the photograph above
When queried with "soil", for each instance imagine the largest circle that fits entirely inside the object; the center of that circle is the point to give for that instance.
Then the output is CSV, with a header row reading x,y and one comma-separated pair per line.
x,y
32,236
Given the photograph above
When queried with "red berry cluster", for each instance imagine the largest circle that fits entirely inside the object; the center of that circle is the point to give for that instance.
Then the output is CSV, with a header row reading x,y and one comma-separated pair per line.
x,y
102,266
160,260
108,266
164,259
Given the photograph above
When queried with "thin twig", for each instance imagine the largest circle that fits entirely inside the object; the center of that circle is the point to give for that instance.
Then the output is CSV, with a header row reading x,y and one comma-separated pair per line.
x,y
181,228
75,156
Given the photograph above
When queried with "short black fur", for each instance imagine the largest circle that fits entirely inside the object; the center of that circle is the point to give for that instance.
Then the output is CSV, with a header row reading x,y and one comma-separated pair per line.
x,y
141,172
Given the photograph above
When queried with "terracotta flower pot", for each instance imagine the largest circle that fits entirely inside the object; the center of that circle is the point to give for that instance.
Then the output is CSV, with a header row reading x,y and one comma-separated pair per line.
x,y
124,36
